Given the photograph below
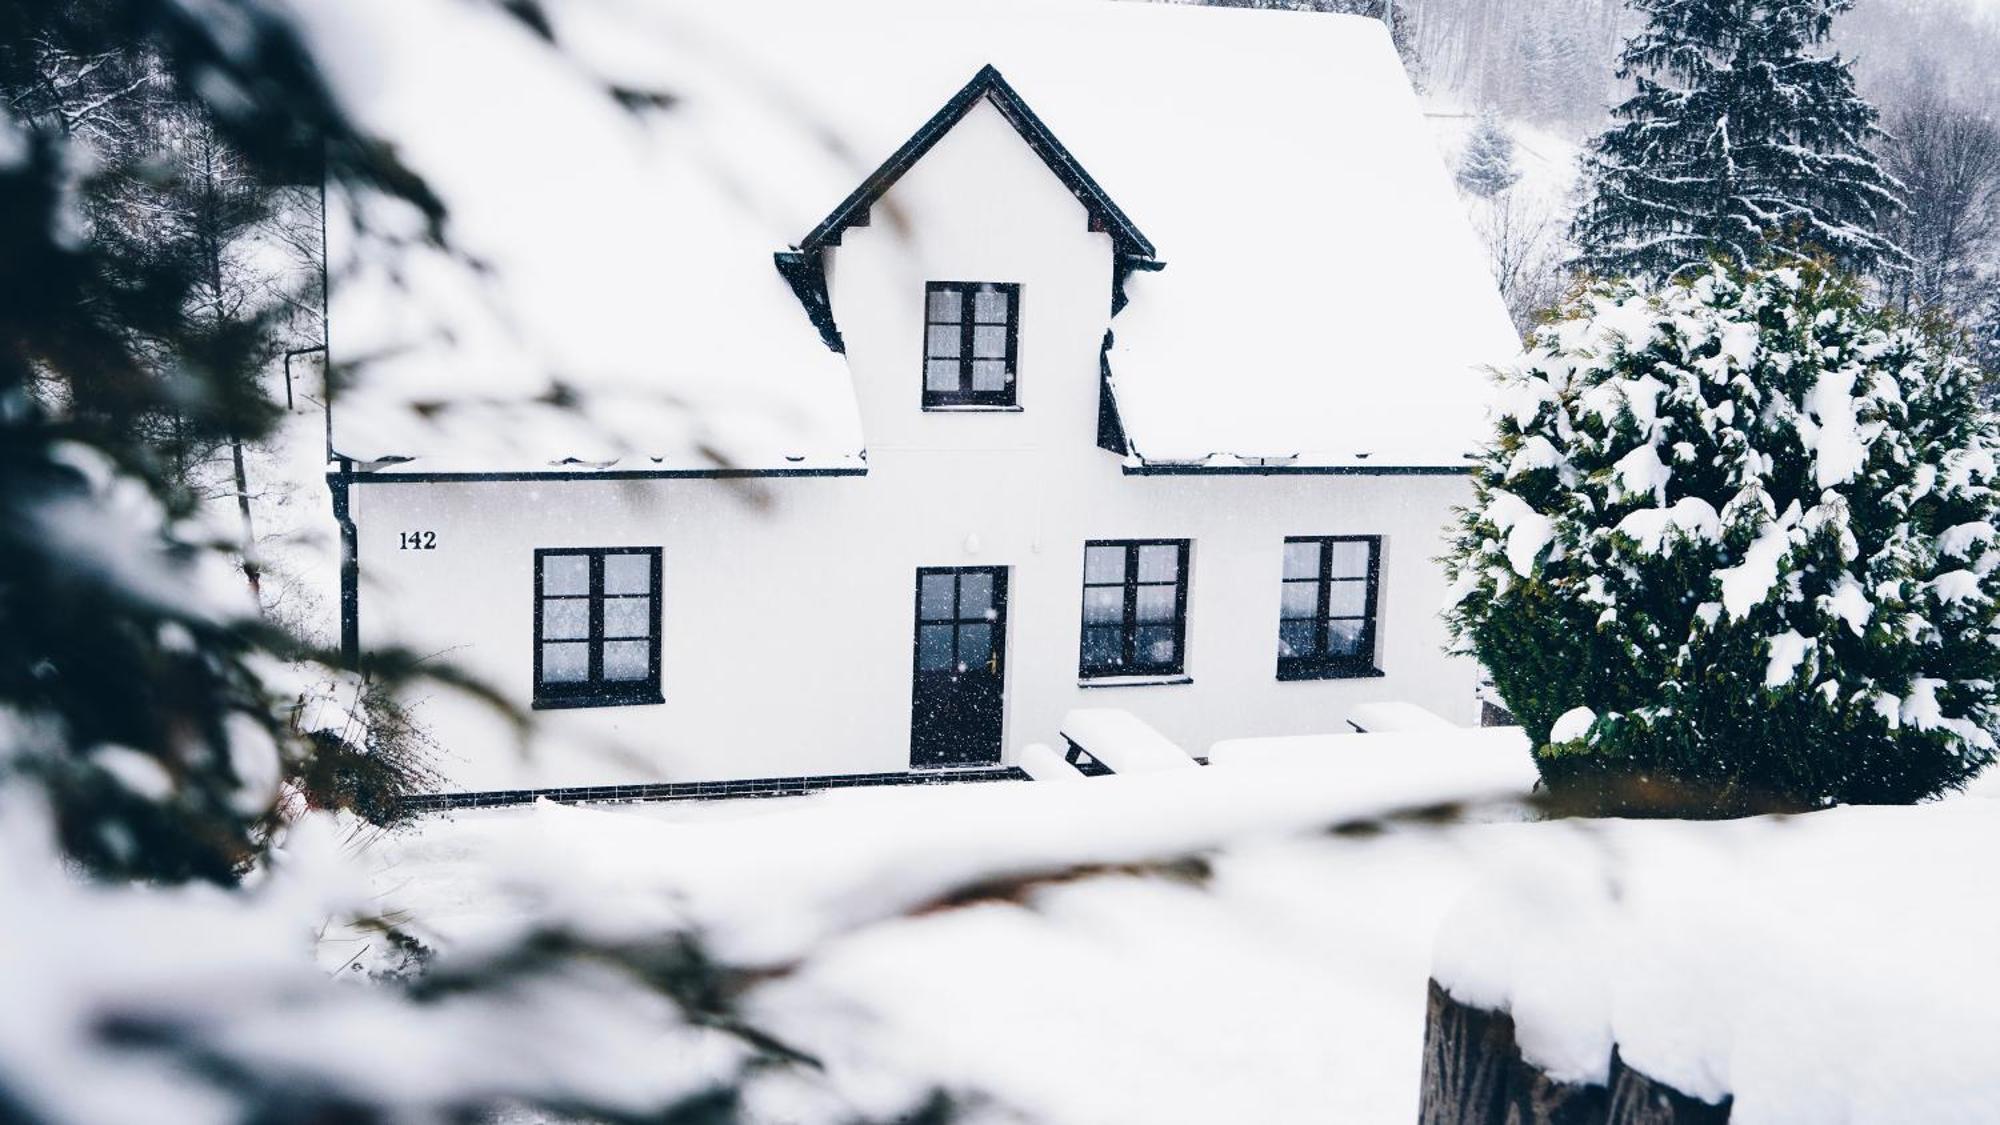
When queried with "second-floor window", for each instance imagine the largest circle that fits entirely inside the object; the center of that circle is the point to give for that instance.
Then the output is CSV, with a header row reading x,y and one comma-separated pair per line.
x,y
971,335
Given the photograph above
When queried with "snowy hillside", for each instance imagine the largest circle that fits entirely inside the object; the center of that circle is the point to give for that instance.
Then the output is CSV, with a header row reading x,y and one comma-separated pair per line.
x,y
1545,155
1523,228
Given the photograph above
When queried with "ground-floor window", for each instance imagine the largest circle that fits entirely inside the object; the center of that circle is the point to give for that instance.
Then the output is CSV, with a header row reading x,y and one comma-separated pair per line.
x,y
1326,616
597,626
1134,607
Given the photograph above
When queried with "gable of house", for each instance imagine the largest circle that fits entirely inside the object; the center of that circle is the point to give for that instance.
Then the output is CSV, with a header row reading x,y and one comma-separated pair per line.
x,y
804,266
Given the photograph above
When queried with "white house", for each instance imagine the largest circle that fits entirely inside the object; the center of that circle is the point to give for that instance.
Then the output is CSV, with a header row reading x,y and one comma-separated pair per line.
x,y
948,366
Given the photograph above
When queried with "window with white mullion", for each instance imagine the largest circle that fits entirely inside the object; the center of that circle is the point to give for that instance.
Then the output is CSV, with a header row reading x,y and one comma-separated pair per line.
x,y
1134,607
971,335
597,626
1327,607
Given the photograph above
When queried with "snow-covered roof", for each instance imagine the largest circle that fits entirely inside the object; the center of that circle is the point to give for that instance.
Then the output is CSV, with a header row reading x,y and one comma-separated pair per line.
x,y
1323,301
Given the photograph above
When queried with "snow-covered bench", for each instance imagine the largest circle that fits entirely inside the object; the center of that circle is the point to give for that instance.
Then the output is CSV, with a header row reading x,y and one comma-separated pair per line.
x,y
1041,763
1391,716
1107,740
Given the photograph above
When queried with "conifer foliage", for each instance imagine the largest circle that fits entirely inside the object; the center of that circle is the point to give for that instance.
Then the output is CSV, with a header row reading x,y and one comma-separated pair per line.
x,y
1733,549
1486,167
146,734
1737,138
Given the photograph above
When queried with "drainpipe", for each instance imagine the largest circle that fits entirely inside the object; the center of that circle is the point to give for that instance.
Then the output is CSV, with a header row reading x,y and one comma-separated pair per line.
x,y
339,480
350,567
288,368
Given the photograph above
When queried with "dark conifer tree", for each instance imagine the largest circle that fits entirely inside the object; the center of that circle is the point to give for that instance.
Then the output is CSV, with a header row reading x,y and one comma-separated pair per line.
x,y
1738,139
145,722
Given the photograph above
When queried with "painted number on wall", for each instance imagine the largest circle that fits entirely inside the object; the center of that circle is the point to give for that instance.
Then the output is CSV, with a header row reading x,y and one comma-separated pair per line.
x,y
419,540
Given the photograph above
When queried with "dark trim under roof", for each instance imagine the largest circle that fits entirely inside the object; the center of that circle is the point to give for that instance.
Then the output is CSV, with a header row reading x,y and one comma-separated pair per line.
x,y
446,476
1185,469
853,211
804,269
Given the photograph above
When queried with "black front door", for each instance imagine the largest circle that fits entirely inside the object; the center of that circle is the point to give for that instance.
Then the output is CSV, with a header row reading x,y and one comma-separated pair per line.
x,y
961,664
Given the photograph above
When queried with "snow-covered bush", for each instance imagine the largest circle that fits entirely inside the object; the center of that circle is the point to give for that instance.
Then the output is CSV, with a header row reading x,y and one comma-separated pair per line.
x,y
1734,548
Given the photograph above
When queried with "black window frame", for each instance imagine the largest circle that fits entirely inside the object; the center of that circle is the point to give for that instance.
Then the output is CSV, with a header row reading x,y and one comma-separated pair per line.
x,y
1130,665
1320,666
996,649
963,396
594,690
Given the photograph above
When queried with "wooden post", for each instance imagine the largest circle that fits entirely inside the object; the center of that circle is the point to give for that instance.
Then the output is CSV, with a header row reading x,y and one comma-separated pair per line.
x,y
1474,1075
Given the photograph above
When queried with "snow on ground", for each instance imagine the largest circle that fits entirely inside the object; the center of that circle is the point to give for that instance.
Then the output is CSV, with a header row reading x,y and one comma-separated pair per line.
x,y
1545,157
1831,967
1290,984
1525,228
767,880
298,542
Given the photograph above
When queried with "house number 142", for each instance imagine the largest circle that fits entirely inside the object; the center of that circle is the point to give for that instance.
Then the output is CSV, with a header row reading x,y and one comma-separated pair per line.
x,y
420,540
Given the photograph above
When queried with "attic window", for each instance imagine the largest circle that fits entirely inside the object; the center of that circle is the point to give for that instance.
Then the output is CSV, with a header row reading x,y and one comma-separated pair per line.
x,y
971,333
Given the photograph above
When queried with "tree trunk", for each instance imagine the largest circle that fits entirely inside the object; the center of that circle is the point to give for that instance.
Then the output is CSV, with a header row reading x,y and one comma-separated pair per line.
x,y
250,570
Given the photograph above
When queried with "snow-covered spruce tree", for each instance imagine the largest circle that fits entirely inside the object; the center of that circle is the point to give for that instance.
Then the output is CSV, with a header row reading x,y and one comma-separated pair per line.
x,y
1736,139
1486,167
1734,548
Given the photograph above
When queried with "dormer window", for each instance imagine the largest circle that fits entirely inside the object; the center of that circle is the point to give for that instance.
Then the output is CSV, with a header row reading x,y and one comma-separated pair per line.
x,y
971,332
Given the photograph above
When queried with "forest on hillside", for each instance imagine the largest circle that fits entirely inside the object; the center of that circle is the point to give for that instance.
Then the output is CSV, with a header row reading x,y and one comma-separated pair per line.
x,y
1545,74
1552,63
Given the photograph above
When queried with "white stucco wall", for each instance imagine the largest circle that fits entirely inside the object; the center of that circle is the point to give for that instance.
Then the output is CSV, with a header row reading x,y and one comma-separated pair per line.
x,y
787,623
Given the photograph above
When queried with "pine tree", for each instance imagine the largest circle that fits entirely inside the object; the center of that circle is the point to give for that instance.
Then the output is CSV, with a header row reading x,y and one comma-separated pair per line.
x,y
1737,138
1486,167
1736,542
1552,67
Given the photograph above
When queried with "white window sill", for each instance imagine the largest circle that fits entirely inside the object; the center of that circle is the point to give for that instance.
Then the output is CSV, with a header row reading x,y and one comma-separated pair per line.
x,y
972,408
1134,681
